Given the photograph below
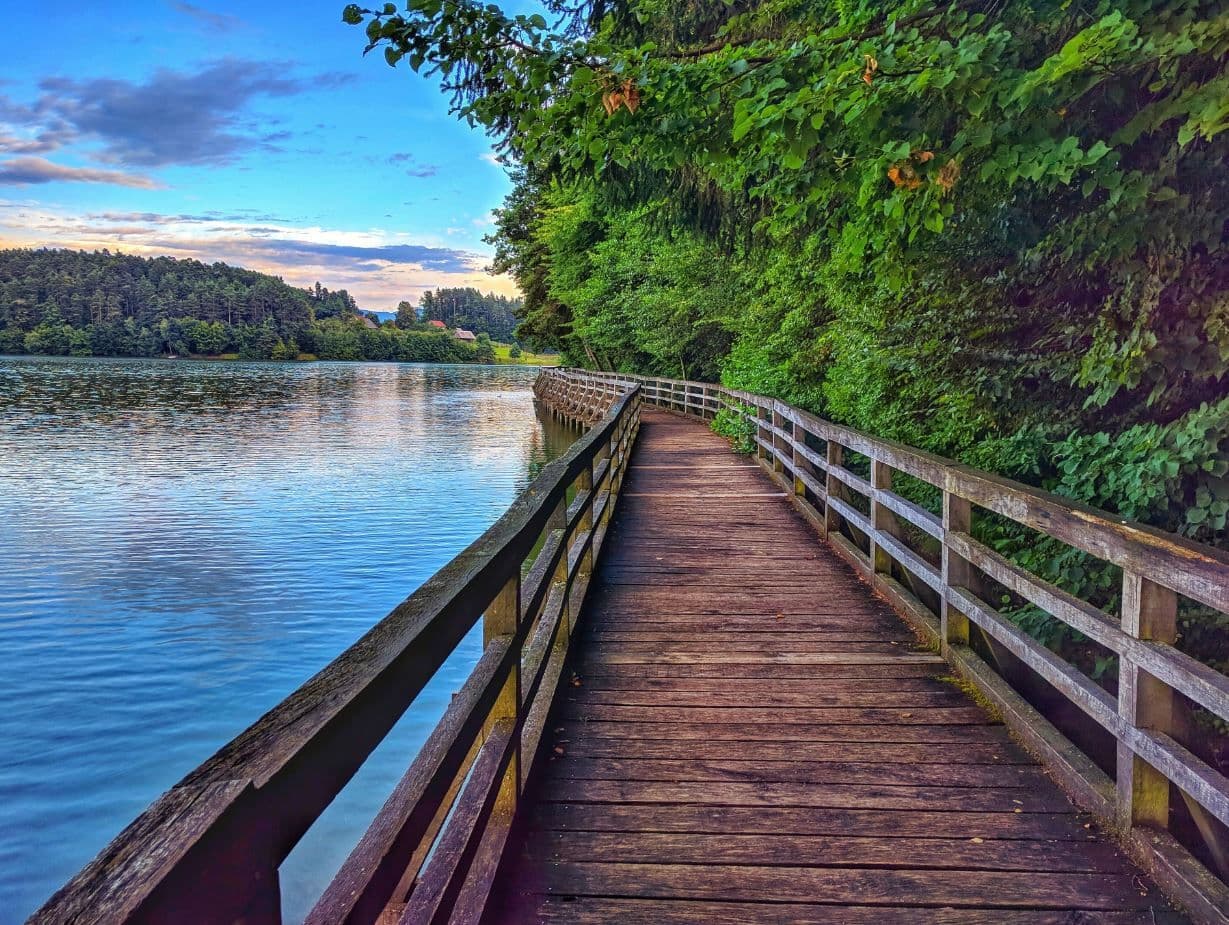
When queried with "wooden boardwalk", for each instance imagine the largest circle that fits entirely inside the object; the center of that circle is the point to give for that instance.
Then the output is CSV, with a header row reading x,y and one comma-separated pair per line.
x,y
748,735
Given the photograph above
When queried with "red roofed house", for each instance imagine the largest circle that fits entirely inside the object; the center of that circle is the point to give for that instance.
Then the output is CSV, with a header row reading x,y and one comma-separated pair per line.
x,y
437,324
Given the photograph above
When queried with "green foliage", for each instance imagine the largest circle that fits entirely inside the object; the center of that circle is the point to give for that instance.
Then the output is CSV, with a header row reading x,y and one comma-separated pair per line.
x,y
101,304
1171,475
482,313
638,300
994,231
484,350
738,428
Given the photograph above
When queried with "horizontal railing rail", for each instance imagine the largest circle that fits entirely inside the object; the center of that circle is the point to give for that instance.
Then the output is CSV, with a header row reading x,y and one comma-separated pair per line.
x,y
877,529
208,850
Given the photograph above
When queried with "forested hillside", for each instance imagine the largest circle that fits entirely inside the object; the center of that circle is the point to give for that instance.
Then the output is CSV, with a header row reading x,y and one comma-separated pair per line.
x,y
482,313
63,302
995,230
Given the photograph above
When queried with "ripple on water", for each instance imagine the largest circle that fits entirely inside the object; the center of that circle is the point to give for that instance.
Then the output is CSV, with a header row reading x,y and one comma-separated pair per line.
x,y
182,544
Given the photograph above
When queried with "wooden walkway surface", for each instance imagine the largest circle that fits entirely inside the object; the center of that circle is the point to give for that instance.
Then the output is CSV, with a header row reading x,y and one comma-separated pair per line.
x,y
751,736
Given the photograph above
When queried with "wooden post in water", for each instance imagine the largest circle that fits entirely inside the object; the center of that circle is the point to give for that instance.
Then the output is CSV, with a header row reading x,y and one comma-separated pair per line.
x,y
1149,611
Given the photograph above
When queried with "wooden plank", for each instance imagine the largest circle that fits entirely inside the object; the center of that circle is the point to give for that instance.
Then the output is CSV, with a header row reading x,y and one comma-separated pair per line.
x,y
911,561
753,671
771,850
810,717
914,513
763,770
787,732
632,818
819,685
811,752
734,649
859,796
840,886
875,626
588,910
764,628
850,479
615,657
1148,612
905,700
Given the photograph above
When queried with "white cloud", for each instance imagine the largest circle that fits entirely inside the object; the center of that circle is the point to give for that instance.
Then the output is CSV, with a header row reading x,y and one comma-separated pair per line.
x,y
28,171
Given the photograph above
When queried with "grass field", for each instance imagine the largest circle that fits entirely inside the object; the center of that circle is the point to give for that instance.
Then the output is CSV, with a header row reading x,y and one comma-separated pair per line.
x,y
526,358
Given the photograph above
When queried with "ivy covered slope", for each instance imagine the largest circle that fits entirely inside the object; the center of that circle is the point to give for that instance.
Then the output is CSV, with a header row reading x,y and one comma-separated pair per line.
x,y
995,229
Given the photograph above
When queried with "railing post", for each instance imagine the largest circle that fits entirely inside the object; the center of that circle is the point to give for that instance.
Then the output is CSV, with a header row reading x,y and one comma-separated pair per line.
x,y
1149,611
798,460
559,521
607,451
761,414
957,572
883,521
832,487
778,424
502,618
584,482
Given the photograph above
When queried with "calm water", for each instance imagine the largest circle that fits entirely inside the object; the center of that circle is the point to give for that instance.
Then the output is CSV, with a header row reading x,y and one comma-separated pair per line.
x,y
183,544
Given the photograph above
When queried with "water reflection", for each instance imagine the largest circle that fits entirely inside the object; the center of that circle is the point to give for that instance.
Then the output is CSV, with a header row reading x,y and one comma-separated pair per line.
x,y
182,544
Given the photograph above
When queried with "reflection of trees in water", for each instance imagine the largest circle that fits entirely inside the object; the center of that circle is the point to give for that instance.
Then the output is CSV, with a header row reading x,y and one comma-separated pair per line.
x,y
104,391
276,415
551,439
38,392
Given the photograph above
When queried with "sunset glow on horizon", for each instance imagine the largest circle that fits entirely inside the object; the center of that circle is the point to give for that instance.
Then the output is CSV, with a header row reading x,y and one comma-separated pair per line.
x,y
201,132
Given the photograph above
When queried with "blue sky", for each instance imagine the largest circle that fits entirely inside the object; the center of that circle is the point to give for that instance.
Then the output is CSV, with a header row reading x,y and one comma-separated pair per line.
x,y
259,136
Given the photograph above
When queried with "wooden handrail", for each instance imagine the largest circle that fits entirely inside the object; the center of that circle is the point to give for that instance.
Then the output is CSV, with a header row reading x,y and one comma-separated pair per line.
x,y
208,850
1157,567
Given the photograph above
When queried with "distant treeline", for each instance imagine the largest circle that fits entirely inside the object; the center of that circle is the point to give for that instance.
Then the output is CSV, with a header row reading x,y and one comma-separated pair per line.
x,y
60,302
482,313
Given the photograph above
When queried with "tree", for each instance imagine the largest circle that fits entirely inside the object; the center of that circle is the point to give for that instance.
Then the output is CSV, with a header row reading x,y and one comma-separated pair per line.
x,y
407,317
993,230
484,351
473,310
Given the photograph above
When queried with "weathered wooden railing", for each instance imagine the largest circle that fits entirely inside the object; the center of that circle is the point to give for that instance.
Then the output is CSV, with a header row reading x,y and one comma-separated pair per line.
x,y
208,851
580,399
885,536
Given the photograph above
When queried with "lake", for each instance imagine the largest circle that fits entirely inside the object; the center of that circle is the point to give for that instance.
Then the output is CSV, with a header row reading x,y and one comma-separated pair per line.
x,y
182,544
